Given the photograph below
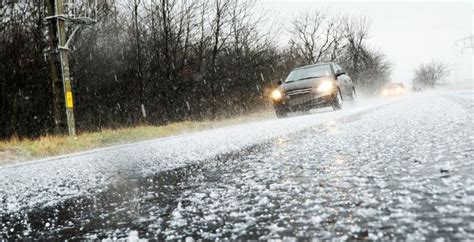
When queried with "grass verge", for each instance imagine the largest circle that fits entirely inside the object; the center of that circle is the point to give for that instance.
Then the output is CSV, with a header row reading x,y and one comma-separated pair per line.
x,y
16,151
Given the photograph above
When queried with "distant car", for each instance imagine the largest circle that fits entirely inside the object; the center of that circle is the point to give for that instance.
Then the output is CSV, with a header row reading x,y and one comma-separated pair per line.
x,y
393,89
417,88
313,86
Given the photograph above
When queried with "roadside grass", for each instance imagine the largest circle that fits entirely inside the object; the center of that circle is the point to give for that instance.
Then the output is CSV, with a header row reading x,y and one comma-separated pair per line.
x,y
18,150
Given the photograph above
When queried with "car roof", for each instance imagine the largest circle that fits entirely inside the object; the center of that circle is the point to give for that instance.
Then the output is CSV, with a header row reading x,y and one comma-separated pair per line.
x,y
312,65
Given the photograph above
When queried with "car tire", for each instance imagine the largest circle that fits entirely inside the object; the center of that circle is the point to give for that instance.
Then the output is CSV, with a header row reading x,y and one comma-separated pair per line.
x,y
280,113
337,101
353,94
306,111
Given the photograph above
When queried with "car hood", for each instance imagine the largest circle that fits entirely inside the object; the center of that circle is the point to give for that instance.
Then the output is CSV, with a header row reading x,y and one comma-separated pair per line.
x,y
304,84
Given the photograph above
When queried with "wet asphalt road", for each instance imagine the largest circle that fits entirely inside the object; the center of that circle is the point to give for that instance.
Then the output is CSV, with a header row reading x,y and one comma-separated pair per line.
x,y
401,169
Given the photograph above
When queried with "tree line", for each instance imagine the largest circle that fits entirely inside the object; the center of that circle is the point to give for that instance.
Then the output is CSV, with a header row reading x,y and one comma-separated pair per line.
x,y
154,62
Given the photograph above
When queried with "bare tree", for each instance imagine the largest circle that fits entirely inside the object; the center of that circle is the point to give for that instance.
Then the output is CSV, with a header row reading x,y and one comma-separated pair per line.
x,y
339,42
356,33
136,27
313,35
430,74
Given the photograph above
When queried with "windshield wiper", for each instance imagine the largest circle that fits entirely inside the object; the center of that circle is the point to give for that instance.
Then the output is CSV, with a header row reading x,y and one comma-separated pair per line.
x,y
311,77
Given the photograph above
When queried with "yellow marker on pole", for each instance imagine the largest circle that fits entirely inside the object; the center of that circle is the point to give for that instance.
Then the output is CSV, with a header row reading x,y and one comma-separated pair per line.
x,y
69,102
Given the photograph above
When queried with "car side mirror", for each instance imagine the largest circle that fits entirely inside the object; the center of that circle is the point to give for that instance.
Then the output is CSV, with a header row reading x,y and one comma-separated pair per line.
x,y
340,72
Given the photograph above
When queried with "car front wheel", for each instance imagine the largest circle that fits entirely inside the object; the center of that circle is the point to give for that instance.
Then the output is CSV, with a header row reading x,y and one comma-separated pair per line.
x,y
353,94
337,101
281,113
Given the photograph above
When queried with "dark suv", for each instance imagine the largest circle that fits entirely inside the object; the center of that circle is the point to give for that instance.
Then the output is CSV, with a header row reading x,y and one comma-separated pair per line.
x,y
313,86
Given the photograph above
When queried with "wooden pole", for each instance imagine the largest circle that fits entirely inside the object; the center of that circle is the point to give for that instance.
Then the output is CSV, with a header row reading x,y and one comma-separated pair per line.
x,y
63,54
60,64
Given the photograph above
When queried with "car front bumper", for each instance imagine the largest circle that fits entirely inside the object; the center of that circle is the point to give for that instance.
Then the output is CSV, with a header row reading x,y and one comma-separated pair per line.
x,y
304,102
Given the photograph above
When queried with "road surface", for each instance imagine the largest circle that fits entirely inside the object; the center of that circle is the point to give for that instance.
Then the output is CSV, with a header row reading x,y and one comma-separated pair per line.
x,y
380,169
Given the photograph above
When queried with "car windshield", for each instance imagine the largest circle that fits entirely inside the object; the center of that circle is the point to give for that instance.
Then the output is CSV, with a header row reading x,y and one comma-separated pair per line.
x,y
394,85
309,72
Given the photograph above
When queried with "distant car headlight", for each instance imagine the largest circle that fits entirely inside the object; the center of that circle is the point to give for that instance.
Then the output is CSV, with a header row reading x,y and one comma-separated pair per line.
x,y
325,86
385,92
276,95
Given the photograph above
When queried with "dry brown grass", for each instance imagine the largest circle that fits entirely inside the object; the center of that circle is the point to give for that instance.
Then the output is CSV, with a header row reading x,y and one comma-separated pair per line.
x,y
16,150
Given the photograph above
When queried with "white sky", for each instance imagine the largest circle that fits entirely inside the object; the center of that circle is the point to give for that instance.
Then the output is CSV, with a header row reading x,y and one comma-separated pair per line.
x,y
409,33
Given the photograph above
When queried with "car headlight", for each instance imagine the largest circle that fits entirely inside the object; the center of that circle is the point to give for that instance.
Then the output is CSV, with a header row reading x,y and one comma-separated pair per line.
x,y
325,86
385,92
276,95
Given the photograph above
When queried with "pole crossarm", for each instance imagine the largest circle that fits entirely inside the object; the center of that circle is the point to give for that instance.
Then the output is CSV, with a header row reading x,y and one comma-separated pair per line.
x,y
465,43
68,42
74,20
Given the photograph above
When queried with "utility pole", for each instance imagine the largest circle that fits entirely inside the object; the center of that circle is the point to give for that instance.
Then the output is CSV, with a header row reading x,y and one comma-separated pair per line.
x,y
465,43
60,66
63,56
59,41
462,45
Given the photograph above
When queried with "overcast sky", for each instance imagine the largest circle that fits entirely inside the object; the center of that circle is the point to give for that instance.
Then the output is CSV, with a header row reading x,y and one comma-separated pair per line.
x,y
409,33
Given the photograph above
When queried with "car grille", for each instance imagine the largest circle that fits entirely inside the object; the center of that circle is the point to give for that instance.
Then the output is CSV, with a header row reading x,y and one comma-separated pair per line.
x,y
298,92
